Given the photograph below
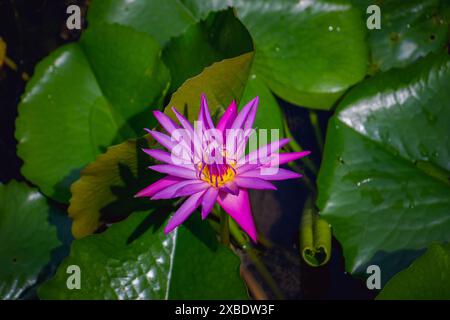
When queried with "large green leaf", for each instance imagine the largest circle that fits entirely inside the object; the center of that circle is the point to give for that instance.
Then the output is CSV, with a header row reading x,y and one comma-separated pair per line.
x,y
28,236
105,192
134,259
83,98
308,52
409,30
428,278
159,19
201,9
384,181
231,79
269,115
218,37
221,82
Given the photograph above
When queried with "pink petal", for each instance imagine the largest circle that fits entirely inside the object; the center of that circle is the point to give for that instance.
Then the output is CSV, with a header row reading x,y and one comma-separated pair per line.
x,y
166,157
184,211
209,199
247,113
163,139
282,174
159,155
259,155
192,135
183,121
246,167
168,124
270,161
291,156
238,207
240,142
181,189
231,187
170,143
157,186
254,183
227,118
248,124
175,171
204,116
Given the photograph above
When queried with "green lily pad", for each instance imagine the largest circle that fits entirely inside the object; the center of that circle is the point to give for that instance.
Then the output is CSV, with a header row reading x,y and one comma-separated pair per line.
x,y
384,181
29,238
428,278
201,9
134,259
159,19
307,52
220,36
83,98
269,115
105,191
409,30
221,82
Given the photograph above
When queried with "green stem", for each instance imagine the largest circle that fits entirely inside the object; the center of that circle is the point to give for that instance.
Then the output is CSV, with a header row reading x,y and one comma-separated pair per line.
x,y
317,132
296,147
263,241
244,243
224,228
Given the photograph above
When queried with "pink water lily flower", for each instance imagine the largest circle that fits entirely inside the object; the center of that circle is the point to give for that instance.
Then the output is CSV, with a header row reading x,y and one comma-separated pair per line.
x,y
209,163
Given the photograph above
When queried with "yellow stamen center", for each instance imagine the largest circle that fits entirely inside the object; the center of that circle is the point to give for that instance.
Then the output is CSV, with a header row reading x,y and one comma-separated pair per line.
x,y
216,179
